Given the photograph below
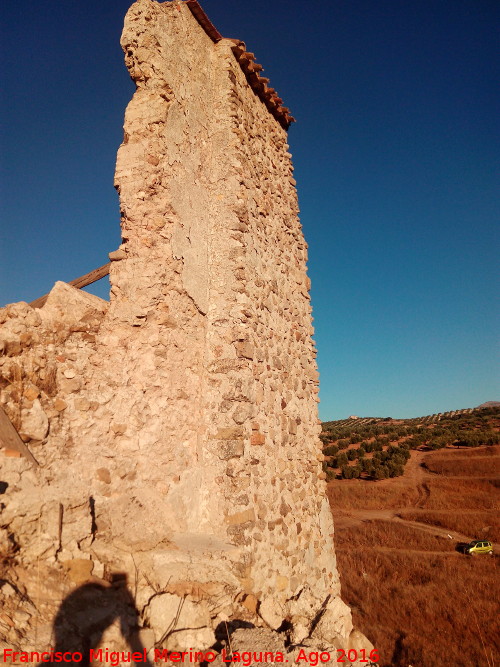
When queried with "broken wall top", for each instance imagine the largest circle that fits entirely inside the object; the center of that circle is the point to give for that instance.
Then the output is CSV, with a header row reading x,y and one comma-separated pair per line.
x,y
251,69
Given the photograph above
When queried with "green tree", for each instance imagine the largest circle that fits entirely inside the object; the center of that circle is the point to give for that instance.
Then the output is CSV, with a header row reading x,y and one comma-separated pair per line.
x,y
331,450
352,454
341,460
346,472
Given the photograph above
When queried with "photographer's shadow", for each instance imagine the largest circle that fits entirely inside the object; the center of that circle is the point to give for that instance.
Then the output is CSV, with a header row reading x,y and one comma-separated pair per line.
x,y
87,612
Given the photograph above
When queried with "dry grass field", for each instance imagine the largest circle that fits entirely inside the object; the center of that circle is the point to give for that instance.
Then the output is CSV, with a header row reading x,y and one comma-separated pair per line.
x,y
461,464
481,452
357,494
480,524
419,601
381,535
462,493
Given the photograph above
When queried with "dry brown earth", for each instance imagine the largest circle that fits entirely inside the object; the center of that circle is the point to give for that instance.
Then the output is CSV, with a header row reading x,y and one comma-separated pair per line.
x,y
419,600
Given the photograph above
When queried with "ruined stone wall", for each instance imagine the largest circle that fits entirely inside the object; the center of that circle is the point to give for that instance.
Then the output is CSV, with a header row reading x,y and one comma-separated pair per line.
x,y
180,439
271,348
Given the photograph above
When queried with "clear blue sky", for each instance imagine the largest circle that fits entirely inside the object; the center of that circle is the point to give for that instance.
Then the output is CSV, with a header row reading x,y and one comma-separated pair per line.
x,y
396,154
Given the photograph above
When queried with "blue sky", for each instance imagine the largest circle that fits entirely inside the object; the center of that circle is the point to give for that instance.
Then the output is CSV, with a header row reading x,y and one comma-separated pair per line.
x,y
395,148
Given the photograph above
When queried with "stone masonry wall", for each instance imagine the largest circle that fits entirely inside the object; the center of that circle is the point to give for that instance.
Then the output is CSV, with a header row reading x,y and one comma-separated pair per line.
x,y
176,428
267,340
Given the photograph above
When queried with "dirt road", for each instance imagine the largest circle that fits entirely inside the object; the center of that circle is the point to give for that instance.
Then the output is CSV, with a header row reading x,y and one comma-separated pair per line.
x,y
416,476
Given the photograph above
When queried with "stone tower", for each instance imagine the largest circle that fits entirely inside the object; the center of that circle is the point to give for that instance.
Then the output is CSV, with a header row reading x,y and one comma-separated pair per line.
x,y
181,441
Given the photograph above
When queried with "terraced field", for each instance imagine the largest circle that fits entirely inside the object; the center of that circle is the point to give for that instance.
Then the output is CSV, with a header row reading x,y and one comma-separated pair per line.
x,y
419,600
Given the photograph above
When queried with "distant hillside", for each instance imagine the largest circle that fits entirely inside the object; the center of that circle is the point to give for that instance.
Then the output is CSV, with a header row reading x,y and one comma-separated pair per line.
x,y
427,419
379,447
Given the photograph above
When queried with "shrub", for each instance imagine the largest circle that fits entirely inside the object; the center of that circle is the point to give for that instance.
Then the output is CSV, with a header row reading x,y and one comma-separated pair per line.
x,y
367,466
331,450
395,469
347,472
341,460
380,472
330,475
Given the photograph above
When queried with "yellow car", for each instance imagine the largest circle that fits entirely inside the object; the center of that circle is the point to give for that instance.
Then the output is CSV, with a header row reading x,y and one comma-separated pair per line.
x,y
479,547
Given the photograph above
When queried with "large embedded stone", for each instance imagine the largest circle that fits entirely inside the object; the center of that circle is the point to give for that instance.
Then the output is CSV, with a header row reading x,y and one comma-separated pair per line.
x,y
34,422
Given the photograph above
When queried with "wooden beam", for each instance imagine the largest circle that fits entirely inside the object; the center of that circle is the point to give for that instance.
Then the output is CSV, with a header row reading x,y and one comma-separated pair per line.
x,y
10,438
91,277
83,281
